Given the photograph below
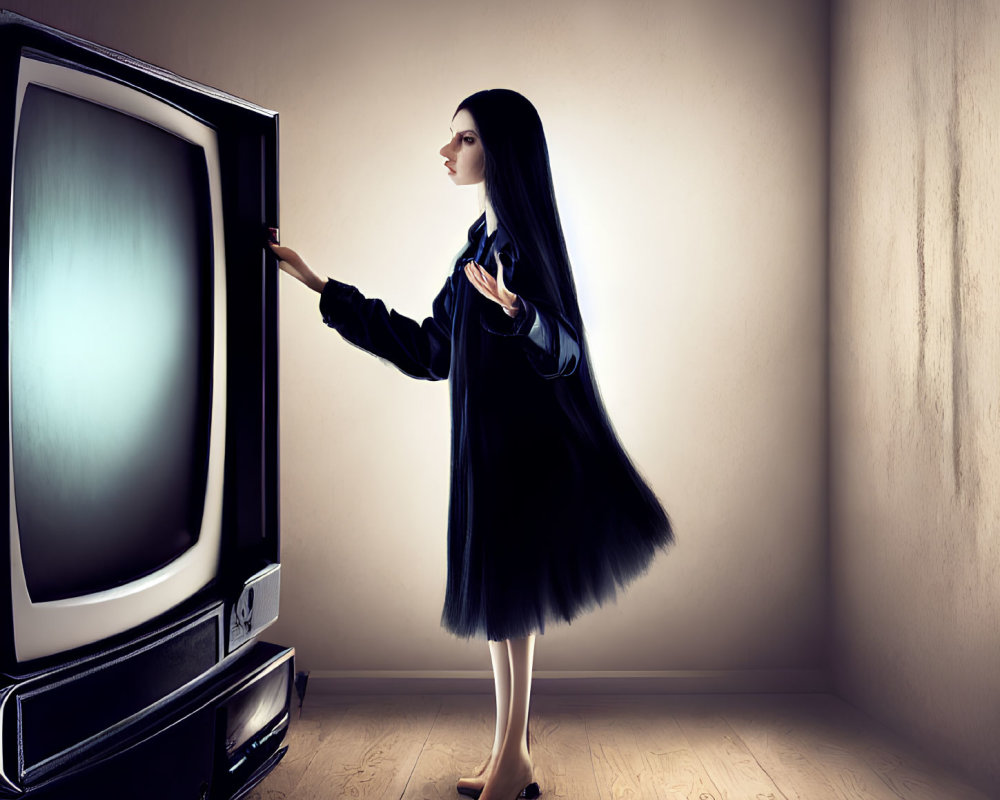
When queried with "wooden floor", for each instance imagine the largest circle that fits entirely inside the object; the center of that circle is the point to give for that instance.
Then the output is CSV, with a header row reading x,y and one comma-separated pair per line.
x,y
662,747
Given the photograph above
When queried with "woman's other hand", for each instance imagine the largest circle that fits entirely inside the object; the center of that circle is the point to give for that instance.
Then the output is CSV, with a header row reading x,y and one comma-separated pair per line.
x,y
292,263
492,288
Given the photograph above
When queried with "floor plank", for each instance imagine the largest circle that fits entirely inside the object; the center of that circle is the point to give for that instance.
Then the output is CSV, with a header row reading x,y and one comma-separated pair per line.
x,y
561,749
372,749
800,755
457,744
730,764
662,763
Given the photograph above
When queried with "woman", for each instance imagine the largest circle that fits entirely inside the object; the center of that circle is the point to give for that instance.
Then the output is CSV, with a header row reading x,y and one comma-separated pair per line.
x,y
547,514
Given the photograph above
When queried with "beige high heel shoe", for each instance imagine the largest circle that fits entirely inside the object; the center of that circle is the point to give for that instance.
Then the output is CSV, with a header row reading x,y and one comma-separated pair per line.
x,y
529,792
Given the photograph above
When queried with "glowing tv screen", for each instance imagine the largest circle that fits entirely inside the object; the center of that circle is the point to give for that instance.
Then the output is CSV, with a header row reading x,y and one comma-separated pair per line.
x,y
116,342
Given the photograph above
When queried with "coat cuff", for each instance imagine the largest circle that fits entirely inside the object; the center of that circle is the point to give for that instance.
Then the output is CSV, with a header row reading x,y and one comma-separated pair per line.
x,y
333,296
497,322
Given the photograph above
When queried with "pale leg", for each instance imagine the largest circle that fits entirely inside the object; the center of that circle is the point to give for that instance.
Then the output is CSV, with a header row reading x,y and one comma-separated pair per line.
x,y
511,771
501,685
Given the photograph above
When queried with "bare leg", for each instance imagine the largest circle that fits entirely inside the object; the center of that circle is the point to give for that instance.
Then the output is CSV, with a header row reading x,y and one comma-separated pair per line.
x,y
511,770
501,684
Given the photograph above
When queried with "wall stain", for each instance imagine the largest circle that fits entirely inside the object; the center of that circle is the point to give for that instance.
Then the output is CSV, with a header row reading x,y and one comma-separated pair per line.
x,y
919,100
921,179
966,485
957,235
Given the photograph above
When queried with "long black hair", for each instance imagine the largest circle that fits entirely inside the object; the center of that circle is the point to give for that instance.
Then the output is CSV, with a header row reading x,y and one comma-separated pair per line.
x,y
519,188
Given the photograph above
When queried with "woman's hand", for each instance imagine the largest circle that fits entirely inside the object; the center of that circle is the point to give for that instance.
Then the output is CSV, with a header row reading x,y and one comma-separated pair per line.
x,y
492,288
292,263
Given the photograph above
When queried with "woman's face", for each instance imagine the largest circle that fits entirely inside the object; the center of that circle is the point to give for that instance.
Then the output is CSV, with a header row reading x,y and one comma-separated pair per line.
x,y
464,155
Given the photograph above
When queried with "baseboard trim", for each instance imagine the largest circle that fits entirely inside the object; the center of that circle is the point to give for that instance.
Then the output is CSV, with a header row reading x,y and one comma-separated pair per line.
x,y
556,682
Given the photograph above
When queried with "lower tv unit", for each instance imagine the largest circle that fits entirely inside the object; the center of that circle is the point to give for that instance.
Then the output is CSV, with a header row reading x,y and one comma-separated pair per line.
x,y
166,716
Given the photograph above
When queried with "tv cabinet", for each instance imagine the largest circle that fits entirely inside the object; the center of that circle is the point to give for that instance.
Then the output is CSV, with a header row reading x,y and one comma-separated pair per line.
x,y
163,717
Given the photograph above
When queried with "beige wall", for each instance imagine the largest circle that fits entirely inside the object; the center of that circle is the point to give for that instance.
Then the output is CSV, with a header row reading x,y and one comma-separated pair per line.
x,y
915,365
689,149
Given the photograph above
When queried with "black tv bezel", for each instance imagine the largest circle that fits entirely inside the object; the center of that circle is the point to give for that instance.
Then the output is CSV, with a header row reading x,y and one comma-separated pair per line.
x,y
248,153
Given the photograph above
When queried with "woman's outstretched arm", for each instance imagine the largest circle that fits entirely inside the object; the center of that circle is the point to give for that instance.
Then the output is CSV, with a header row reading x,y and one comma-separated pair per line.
x,y
420,350
292,263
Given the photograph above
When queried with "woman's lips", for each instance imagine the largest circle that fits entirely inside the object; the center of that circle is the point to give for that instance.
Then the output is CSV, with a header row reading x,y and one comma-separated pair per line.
x,y
449,166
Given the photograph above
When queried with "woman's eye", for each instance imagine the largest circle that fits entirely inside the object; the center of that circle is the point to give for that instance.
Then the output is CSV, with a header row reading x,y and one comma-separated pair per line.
x,y
469,140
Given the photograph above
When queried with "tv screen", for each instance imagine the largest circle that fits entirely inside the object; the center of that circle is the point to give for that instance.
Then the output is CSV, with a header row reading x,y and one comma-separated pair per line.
x,y
110,321
117,358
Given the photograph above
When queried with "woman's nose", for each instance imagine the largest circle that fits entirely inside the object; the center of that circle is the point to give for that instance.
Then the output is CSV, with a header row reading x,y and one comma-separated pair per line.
x,y
445,151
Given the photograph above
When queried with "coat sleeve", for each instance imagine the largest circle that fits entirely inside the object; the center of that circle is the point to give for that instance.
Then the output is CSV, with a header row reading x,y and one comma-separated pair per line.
x,y
420,350
551,342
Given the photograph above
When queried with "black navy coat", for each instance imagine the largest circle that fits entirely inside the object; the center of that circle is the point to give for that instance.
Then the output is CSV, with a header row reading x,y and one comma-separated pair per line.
x,y
547,514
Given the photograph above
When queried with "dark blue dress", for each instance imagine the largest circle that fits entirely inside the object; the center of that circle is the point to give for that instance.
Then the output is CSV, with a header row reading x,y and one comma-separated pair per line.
x,y
547,514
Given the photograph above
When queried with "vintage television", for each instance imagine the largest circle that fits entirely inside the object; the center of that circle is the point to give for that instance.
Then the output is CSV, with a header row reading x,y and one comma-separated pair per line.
x,y
140,411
